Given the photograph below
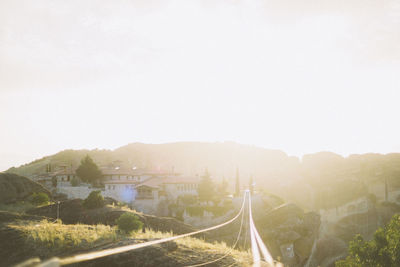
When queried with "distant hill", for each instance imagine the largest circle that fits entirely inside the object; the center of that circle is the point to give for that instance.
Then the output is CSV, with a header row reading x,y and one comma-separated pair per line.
x,y
190,158
319,180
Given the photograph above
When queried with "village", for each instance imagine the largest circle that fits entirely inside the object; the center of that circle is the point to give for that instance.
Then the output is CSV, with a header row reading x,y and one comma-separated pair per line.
x,y
142,189
155,192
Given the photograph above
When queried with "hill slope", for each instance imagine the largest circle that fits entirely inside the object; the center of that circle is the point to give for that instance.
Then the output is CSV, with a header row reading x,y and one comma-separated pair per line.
x,y
14,187
320,180
189,158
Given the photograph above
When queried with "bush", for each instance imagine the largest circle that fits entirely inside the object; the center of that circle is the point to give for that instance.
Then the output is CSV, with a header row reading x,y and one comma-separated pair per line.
x,y
197,211
188,199
40,198
129,222
75,181
94,200
382,250
216,210
54,181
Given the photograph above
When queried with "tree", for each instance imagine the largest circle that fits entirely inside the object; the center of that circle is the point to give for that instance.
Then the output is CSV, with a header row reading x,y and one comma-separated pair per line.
x,y
40,198
54,181
382,251
237,186
251,187
94,200
188,199
206,189
223,188
75,181
88,171
129,222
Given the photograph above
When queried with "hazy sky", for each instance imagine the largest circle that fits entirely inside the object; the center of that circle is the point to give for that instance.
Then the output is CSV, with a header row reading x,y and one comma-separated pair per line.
x,y
300,76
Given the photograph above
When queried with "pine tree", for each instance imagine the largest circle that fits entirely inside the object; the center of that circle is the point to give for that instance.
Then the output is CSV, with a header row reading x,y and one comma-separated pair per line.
x,y
224,187
206,189
88,171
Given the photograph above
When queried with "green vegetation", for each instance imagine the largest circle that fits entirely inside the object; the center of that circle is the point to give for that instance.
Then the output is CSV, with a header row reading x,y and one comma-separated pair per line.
x,y
19,207
75,181
206,188
188,199
382,251
89,172
57,238
129,222
215,210
40,199
54,182
94,200
223,188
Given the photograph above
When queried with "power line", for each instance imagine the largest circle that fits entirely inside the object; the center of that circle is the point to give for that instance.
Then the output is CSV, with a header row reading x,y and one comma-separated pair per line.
x,y
230,250
257,243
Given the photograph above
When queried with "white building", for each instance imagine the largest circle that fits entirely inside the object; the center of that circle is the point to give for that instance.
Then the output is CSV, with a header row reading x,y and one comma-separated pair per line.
x,y
142,189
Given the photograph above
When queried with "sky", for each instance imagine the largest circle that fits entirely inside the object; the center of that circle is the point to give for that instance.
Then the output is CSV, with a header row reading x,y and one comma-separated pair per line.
x,y
299,76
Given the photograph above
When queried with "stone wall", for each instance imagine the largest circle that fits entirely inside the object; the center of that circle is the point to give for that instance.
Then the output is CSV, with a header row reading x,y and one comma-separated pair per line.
x,y
72,192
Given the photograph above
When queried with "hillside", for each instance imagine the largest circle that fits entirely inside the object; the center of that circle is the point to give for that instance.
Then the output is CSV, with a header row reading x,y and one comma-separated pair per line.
x,y
17,188
44,239
320,180
191,158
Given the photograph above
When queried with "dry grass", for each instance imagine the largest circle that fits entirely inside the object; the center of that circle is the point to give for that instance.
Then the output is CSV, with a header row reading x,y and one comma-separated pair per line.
x,y
58,237
19,207
215,249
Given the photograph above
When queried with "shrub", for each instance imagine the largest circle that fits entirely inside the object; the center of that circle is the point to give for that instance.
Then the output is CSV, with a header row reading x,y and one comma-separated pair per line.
x,y
228,203
216,210
188,199
75,181
40,198
195,211
54,181
382,250
94,200
129,222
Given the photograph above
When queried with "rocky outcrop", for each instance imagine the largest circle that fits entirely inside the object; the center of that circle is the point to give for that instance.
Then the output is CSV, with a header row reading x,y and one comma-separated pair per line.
x,y
15,188
289,233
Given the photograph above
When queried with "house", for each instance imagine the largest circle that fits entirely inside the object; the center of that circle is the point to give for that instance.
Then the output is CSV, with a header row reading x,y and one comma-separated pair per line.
x,y
151,187
160,190
143,189
64,176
